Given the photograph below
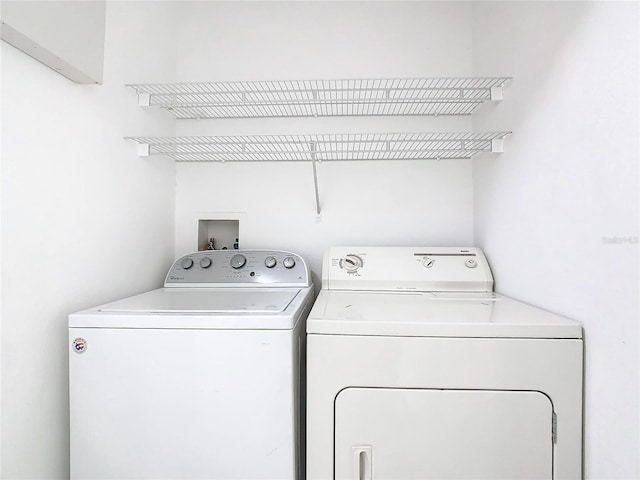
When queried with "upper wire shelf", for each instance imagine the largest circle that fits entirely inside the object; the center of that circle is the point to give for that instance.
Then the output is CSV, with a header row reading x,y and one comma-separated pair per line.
x,y
321,98
323,147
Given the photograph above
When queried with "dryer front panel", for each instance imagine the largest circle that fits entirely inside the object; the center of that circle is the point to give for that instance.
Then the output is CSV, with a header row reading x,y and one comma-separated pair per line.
x,y
402,434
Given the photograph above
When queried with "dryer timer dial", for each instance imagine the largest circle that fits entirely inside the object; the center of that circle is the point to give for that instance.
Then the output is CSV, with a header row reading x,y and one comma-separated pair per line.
x,y
351,263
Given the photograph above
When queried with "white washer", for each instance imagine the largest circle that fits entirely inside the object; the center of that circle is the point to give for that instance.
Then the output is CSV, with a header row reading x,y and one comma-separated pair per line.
x,y
196,380
417,370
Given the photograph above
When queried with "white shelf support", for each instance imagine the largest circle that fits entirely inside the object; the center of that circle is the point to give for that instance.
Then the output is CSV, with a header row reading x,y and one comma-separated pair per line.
x,y
496,93
312,148
144,99
143,149
497,145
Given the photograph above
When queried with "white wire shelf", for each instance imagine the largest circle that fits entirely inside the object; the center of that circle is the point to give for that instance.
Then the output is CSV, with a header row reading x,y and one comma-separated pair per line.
x,y
323,147
320,98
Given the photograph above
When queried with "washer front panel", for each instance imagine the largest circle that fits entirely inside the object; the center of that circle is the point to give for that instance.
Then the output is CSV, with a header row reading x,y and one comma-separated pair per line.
x,y
183,404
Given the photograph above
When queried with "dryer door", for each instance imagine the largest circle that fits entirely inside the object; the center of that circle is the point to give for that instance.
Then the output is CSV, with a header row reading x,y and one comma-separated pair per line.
x,y
383,434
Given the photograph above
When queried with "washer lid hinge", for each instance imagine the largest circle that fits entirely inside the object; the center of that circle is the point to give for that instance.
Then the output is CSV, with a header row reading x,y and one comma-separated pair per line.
x,y
554,427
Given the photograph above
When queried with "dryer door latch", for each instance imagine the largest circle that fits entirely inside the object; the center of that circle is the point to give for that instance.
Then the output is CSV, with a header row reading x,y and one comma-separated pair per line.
x,y
362,462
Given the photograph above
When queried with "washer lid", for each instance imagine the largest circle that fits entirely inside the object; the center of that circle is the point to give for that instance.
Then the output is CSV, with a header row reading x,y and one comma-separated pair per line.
x,y
204,308
205,300
434,314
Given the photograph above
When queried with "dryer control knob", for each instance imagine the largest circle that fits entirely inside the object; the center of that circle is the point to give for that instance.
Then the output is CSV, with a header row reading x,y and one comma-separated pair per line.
x,y
289,262
238,261
270,262
186,263
351,263
427,262
205,262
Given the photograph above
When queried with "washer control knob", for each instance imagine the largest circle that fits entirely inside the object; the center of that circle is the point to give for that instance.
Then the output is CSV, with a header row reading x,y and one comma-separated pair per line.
x,y
289,262
351,263
186,263
205,262
471,263
238,261
428,262
270,262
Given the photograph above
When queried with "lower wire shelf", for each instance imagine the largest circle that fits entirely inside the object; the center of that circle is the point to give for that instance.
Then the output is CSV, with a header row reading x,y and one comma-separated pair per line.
x,y
322,147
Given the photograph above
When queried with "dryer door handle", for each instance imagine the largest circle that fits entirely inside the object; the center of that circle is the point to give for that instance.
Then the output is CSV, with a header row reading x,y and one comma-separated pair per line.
x,y
362,461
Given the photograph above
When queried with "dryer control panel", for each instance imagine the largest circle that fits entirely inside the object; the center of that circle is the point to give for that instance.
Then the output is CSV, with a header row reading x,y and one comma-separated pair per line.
x,y
420,269
239,268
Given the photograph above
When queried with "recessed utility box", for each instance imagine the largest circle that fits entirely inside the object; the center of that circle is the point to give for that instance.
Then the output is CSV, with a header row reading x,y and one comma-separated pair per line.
x,y
218,234
196,228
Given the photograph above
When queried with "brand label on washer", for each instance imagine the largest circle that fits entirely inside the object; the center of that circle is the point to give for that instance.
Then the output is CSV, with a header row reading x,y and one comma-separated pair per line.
x,y
79,345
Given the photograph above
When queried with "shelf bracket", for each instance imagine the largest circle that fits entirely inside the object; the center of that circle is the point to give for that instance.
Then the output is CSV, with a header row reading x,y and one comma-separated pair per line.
x,y
144,99
497,145
312,147
496,94
143,149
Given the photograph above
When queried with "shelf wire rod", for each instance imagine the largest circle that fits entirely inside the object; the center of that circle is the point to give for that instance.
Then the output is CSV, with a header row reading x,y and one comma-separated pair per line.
x,y
287,93
309,110
262,110
412,92
276,106
434,155
375,101
385,106
223,88
301,157
366,109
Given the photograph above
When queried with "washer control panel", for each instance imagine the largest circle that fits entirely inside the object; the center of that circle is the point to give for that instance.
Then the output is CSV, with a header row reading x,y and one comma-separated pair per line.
x,y
219,268
428,269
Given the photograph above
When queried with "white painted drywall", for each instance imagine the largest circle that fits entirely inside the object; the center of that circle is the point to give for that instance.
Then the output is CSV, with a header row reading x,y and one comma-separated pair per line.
x,y
84,220
548,209
67,36
386,203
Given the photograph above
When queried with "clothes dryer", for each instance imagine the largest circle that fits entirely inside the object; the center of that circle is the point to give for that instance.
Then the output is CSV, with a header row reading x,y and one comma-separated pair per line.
x,y
196,380
416,369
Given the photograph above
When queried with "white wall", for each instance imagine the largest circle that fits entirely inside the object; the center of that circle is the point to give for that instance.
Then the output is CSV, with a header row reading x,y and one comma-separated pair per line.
x,y
387,203
567,182
81,213
84,220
